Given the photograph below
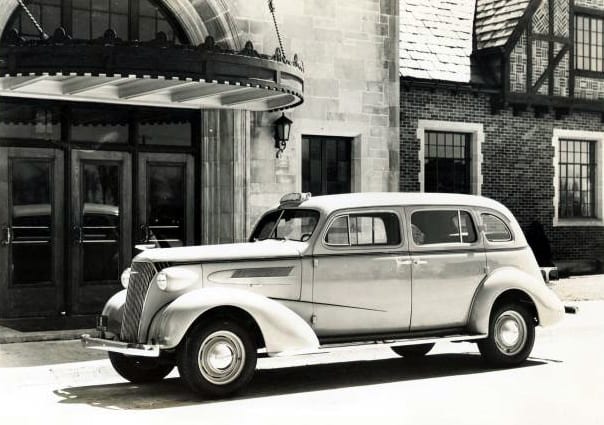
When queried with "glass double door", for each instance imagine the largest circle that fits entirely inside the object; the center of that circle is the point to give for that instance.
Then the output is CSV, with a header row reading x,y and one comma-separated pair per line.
x,y
64,252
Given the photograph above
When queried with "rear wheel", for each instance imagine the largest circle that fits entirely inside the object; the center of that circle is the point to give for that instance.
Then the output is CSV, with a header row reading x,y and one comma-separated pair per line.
x,y
511,336
217,359
412,350
139,369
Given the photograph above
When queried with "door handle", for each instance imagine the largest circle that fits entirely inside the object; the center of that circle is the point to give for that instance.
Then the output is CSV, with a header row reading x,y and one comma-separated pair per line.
x,y
419,261
8,235
403,261
78,237
144,232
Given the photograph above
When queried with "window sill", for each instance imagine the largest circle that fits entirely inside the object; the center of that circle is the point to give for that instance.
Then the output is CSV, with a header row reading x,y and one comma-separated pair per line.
x,y
579,222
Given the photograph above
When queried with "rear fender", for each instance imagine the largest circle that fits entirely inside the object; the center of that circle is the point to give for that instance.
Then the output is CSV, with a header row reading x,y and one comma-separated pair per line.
x,y
284,332
549,307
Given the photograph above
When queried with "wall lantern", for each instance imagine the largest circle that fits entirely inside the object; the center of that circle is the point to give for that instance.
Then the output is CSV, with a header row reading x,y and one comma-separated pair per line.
x,y
282,127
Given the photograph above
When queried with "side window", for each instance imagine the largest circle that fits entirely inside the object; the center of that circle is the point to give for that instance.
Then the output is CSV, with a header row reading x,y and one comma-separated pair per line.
x,y
364,230
442,226
338,232
495,230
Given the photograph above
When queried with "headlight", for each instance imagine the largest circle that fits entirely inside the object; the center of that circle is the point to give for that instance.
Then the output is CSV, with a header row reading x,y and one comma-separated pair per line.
x,y
125,278
162,281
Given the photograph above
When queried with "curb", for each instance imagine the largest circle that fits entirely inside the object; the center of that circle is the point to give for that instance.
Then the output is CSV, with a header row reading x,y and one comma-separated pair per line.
x,y
11,336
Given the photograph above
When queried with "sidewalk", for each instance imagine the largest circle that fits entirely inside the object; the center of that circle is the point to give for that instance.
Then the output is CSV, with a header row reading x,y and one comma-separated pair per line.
x,y
579,288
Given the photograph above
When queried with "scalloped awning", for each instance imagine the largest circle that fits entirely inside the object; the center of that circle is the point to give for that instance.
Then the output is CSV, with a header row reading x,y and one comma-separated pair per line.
x,y
152,74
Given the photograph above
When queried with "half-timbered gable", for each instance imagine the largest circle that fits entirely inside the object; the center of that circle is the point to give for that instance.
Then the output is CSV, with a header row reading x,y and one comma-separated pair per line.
x,y
504,98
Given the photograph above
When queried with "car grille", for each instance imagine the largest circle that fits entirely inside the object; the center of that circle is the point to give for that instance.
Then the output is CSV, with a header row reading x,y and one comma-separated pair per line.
x,y
140,279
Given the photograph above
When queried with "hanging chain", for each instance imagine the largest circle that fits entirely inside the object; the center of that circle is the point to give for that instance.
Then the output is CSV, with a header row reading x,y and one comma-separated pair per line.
x,y
34,21
271,8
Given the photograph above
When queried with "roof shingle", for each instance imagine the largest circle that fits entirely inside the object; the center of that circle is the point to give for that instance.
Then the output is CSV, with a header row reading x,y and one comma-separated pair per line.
x,y
436,37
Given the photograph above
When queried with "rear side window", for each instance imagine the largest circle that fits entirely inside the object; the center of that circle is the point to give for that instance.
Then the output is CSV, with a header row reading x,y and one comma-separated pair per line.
x,y
495,230
442,226
364,229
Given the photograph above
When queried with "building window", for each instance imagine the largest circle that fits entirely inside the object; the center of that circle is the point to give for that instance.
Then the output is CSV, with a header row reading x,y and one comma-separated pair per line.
x,y
326,165
589,43
578,159
46,12
447,162
89,19
450,156
577,179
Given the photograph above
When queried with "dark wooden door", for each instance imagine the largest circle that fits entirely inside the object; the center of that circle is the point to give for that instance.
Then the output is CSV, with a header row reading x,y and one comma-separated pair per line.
x,y
166,200
101,223
31,220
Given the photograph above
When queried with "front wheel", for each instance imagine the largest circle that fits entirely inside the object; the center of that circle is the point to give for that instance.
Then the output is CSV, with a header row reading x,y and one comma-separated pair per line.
x,y
217,359
511,336
139,369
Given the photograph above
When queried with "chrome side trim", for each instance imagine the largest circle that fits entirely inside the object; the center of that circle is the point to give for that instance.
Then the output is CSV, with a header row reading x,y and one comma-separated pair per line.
x,y
141,350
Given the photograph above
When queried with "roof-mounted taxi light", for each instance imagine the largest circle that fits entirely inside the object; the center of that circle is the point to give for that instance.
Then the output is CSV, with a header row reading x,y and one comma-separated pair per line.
x,y
295,197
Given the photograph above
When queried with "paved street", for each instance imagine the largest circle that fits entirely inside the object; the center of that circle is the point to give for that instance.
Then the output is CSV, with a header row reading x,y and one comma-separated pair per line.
x,y
562,383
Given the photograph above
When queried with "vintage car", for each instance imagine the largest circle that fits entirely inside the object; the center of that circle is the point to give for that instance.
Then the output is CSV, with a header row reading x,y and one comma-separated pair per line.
x,y
322,273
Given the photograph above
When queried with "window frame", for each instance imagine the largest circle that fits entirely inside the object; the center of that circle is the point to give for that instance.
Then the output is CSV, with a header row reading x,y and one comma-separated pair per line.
x,y
476,130
466,138
478,244
305,163
598,138
133,16
592,16
330,248
505,222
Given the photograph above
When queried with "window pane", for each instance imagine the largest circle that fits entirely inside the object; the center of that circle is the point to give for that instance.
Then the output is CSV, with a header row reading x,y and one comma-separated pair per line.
x,y
576,179
326,165
432,227
338,232
495,229
375,229
31,200
29,121
90,124
447,162
164,127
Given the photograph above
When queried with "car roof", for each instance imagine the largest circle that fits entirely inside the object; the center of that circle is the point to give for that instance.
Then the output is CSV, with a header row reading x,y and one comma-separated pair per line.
x,y
329,203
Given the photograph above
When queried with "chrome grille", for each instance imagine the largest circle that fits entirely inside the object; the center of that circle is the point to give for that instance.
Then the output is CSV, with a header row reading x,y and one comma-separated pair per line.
x,y
140,278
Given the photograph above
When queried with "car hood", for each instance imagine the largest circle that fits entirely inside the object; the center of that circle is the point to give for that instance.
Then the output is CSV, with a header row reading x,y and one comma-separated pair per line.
x,y
270,249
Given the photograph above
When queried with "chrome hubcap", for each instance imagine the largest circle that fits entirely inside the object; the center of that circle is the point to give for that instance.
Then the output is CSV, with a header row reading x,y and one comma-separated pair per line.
x,y
221,357
510,332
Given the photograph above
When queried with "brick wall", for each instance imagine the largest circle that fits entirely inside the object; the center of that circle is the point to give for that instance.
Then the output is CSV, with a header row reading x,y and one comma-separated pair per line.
x,y
517,164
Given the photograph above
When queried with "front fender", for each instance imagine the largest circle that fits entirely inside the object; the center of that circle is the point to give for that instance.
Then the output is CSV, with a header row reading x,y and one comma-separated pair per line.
x,y
283,330
114,309
549,307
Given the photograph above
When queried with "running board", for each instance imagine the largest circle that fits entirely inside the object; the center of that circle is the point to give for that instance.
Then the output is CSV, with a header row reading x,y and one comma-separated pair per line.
x,y
328,348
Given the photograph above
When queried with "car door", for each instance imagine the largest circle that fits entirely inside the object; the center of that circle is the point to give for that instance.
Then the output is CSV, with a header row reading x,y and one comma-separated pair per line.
x,y
449,263
361,274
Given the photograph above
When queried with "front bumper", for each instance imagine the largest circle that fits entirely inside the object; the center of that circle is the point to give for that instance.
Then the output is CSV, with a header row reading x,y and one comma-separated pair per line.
x,y
142,350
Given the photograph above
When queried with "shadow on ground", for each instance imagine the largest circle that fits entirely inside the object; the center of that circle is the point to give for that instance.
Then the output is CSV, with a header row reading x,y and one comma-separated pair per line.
x,y
290,380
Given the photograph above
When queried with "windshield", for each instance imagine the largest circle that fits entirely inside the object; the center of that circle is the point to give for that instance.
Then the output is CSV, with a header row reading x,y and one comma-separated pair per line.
x,y
291,224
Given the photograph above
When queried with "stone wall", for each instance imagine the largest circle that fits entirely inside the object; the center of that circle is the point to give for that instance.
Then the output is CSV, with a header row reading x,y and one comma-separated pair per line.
x,y
517,167
350,55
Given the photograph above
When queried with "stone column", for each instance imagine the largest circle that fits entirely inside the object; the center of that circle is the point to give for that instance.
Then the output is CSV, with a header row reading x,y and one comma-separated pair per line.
x,y
224,175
